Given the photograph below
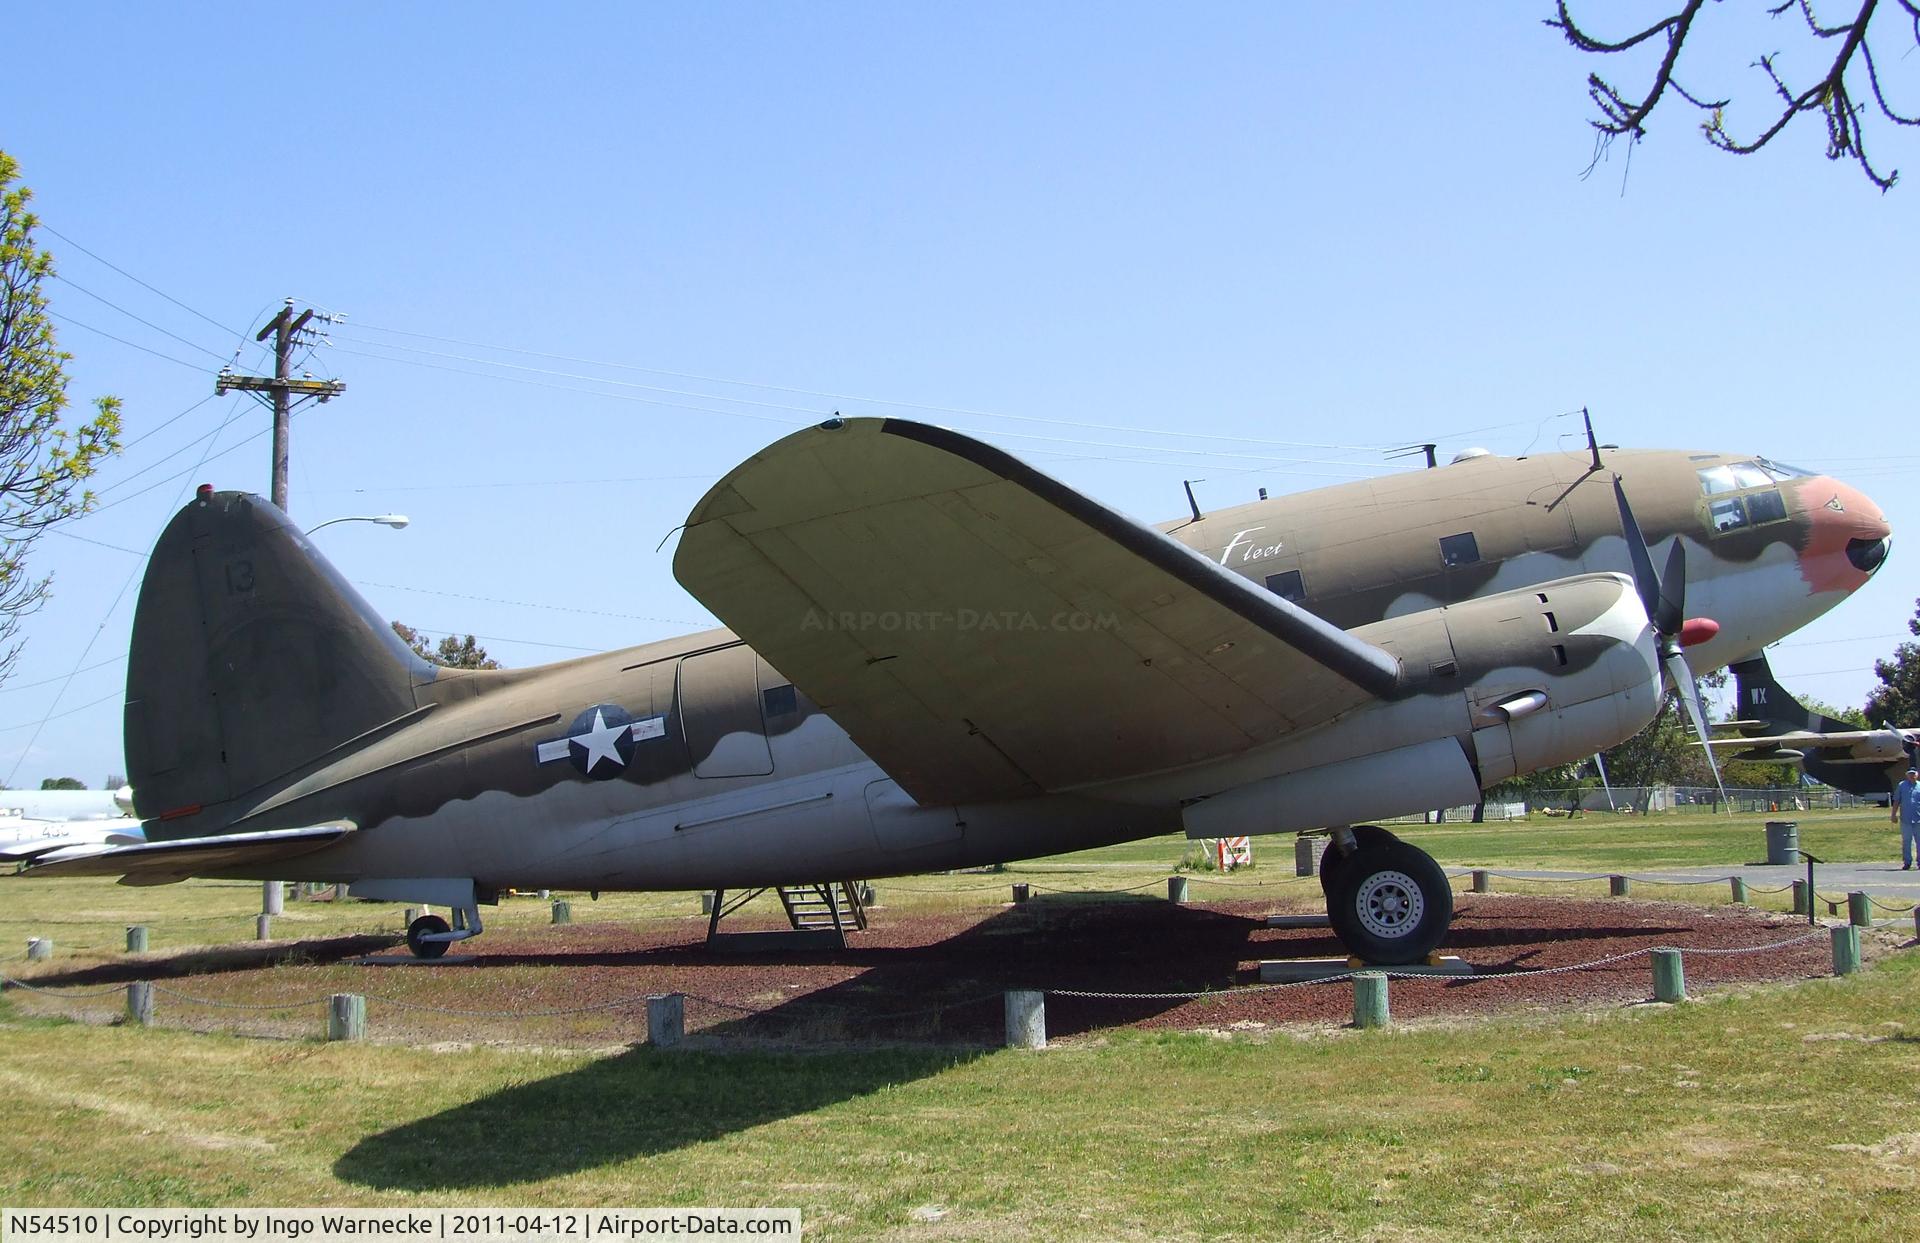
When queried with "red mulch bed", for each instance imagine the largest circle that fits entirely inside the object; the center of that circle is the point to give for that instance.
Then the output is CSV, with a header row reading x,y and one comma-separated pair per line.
x,y
940,977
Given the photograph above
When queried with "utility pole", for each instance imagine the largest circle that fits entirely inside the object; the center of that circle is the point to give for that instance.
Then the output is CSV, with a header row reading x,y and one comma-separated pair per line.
x,y
281,394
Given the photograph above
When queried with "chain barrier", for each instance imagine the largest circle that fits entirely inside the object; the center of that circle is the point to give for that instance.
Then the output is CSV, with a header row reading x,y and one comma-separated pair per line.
x,y
235,1005
1152,884
1816,934
1887,906
1391,974
615,1004
10,982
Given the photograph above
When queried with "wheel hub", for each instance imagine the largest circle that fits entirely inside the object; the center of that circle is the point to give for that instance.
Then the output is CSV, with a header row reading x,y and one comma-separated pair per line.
x,y
1389,904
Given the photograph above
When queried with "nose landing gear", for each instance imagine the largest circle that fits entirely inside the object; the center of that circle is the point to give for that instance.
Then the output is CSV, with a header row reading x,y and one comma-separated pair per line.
x,y
1388,901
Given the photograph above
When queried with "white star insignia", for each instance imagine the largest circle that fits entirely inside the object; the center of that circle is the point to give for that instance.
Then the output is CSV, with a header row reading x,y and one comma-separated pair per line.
x,y
599,741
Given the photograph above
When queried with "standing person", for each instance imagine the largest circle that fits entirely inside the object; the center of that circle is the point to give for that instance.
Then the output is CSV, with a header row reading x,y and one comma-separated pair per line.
x,y
1906,814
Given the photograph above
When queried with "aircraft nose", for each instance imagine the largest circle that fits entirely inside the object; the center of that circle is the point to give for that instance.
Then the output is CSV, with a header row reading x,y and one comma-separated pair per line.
x,y
1847,535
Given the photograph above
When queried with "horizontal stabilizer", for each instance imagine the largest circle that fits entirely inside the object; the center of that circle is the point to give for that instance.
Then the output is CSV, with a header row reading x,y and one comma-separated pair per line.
x,y
159,863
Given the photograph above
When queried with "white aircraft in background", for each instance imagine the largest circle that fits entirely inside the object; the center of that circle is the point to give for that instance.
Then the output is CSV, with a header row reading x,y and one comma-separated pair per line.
x,y
33,822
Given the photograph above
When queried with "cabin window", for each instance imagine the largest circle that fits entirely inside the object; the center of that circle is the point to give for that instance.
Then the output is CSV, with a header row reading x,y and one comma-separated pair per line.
x,y
1727,515
779,700
1766,506
1781,471
1739,476
1461,549
1287,586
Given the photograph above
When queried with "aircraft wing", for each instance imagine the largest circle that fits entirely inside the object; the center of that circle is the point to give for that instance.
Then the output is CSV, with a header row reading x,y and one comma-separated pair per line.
x,y
983,631
1870,746
160,863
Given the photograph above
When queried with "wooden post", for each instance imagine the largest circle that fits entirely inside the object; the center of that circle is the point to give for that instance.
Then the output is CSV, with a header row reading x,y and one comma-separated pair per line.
x,y
1669,976
39,949
1482,881
1176,889
666,1019
263,927
1802,898
869,896
1370,1000
706,902
140,1003
1846,949
546,895
1021,893
1306,858
137,939
346,1017
1739,884
413,913
1859,910
1619,886
1026,1019
562,912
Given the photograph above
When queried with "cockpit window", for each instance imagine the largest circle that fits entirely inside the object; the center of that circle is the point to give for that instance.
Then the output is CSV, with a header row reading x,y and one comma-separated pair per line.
x,y
1739,476
1717,479
1727,515
1766,506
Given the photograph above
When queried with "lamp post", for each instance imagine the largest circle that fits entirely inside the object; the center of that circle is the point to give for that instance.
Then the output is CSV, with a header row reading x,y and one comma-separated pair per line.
x,y
396,521
272,895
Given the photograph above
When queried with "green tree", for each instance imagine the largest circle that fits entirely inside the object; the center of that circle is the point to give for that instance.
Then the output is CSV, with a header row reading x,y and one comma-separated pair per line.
x,y
43,461
1850,75
62,783
450,652
1896,701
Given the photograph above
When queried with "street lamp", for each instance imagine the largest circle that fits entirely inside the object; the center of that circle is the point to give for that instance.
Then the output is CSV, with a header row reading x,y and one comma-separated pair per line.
x,y
396,521
270,891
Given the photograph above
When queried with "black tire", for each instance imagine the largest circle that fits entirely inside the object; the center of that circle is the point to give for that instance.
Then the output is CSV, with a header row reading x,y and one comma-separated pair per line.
x,y
1390,904
417,932
1365,836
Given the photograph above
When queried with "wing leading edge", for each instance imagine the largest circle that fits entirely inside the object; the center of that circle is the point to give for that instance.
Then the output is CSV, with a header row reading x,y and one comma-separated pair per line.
x,y
983,631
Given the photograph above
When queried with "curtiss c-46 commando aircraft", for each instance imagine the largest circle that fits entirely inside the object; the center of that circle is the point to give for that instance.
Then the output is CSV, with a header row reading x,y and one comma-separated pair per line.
x,y
940,657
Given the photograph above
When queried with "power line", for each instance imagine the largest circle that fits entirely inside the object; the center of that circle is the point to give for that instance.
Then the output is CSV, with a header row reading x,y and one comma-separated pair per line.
x,y
169,423
88,649
814,415
527,604
848,397
95,542
22,686
136,280
68,319
137,319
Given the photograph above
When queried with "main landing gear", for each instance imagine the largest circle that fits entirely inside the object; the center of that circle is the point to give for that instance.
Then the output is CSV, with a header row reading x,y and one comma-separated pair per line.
x,y
1388,902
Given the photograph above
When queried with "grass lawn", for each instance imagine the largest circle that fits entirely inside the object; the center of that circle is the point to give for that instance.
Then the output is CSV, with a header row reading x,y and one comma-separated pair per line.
x,y
1784,1112
1776,1111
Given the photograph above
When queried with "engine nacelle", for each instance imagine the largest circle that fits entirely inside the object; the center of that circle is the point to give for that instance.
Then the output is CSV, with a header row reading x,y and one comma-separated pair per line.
x,y
1554,673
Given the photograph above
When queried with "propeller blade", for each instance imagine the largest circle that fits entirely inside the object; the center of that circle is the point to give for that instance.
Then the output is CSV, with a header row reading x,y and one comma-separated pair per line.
x,y
1689,694
1644,580
1672,612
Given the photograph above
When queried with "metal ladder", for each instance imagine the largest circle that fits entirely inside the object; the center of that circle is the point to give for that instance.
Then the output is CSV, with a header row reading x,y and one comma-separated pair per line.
x,y
834,906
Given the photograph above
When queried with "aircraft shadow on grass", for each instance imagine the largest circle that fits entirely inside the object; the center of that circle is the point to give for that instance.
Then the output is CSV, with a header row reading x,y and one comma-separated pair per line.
x,y
793,1059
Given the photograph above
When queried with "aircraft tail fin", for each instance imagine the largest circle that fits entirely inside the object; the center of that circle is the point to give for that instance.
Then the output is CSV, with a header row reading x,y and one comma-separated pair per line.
x,y
1760,697
251,658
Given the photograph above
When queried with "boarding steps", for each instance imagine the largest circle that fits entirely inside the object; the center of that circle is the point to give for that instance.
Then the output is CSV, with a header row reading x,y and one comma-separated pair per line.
x,y
821,915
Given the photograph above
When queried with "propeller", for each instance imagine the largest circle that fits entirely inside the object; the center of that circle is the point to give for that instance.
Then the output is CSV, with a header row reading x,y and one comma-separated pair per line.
x,y
1665,598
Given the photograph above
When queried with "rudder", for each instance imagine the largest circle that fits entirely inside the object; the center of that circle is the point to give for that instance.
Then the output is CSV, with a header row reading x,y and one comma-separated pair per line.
x,y
251,658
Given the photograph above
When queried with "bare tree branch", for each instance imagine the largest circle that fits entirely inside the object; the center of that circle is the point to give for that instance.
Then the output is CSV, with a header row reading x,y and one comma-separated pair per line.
x,y
1830,95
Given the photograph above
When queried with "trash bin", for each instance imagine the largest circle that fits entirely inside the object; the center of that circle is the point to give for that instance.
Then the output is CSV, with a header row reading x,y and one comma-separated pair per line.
x,y
1783,841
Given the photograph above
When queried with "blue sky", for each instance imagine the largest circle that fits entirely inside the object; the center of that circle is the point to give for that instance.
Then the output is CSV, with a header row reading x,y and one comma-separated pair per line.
x,y
1250,244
